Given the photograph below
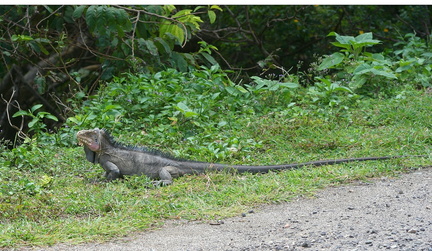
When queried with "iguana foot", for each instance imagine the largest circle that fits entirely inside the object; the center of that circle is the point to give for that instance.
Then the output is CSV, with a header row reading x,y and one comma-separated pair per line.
x,y
159,183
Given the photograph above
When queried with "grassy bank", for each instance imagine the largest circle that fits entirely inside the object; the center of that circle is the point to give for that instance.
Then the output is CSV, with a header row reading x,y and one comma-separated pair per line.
x,y
62,198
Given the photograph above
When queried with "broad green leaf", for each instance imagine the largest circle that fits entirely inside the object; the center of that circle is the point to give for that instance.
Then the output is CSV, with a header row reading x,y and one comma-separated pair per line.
x,y
121,21
182,13
151,48
49,9
273,86
346,46
337,87
324,81
290,85
162,44
33,122
73,120
20,113
241,89
188,57
427,54
420,61
179,61
42,49
383,73
35,107
232,90
363,68
168,8
185,110
344,40
209,58
185,16
173,29
79,11
332,60
365,39
21,38
189,114
260,82
212,16
214,96
216,7
357,82
52,117
114,42
222,123
112,107
198,8
404,66
378,56
35,47
91,17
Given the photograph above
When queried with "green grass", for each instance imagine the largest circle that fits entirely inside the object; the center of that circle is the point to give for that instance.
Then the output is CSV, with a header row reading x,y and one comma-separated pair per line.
x,y
61,198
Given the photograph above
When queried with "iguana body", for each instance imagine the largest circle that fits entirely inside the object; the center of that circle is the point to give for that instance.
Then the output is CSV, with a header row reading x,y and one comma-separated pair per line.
x,y
118,160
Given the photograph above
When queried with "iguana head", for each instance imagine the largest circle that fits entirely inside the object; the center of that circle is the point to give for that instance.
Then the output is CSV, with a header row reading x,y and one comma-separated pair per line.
x,y
90,139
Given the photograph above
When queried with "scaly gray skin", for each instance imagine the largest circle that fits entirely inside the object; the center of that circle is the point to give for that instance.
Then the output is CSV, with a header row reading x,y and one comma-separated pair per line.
x,y
118,160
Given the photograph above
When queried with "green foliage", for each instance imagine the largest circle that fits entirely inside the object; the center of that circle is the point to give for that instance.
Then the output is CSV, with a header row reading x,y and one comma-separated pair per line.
x,y
168,96
142,38
106,23
178,106
377,73
328,93
414,63
36,124
199,102
354,46
248,35
66,50
364,72
172,28
155,32
73,47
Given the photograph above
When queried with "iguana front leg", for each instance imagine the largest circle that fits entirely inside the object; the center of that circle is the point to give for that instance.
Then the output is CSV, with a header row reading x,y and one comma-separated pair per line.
x,y
112,172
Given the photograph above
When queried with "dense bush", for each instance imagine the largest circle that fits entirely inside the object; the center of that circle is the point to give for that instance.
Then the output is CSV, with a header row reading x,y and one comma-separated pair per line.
x,y
56,52
175,106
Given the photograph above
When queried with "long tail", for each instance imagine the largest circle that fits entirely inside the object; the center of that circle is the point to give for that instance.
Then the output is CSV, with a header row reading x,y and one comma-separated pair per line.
x,y
200,167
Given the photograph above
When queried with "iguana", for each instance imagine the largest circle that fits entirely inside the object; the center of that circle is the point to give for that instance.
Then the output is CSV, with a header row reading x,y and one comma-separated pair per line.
x,y
118,160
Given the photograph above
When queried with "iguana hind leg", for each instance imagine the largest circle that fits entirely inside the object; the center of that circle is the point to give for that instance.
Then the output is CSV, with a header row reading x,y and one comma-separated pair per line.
x,y
166,175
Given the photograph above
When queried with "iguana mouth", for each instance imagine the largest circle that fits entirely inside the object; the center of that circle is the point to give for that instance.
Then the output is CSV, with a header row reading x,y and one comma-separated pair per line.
x,y
82,141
